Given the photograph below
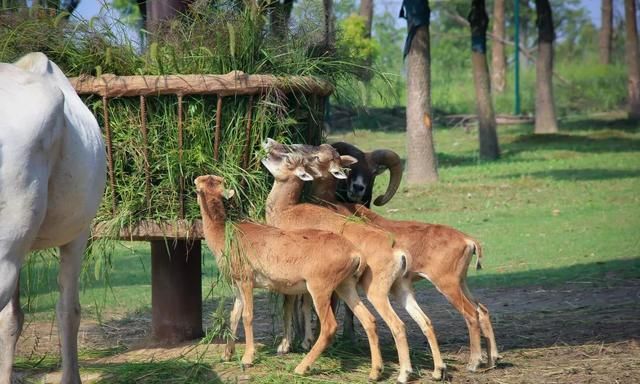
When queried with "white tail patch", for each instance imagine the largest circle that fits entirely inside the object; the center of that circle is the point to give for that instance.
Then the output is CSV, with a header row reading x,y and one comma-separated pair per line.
x,y
475,248
403,261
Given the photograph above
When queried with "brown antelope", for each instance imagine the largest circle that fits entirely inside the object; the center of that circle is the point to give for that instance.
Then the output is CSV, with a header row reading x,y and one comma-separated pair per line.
x,y
386,263
441,254
289,262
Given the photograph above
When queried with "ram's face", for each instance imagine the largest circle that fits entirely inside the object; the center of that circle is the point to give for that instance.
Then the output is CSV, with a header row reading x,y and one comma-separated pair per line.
x,y
357,186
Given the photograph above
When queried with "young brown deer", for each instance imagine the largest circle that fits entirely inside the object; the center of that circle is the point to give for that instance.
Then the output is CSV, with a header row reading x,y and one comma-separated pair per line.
x,y
386,262
289,262
441,254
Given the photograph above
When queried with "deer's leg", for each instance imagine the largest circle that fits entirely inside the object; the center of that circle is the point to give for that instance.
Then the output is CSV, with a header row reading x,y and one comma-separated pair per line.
x,y
486,328
234,318
11,321
321,295
307,315
348,293
246,290
469,310
285,344
378,294
403,293
68,309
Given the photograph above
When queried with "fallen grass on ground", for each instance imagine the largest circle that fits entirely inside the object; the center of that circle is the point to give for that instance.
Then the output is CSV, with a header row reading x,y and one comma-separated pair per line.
x,y
553,210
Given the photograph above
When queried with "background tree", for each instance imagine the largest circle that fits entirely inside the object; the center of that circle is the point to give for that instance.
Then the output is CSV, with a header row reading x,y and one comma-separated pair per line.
x,y
478,22
422,166
606,31
633,60
366,12
545,115
498,60
279,14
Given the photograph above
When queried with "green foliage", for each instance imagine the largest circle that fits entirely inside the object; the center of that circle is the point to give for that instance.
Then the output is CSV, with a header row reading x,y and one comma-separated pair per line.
x,y
354,43
129,11
583,84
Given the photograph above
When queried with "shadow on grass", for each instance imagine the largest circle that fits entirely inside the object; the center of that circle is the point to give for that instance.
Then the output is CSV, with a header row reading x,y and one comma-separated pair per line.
x,y
172,370
598,124
598,142
599,272
579,174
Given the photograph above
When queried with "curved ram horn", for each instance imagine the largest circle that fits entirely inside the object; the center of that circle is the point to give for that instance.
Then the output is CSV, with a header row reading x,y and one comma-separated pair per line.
x,y
379,160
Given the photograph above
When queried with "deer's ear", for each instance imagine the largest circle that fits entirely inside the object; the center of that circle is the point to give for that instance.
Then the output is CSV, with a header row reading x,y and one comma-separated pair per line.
x,y
303,174
268,143
346,160
228,193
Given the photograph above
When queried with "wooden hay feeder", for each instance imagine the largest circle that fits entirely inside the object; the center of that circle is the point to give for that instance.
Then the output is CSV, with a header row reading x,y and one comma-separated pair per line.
x,y
176,243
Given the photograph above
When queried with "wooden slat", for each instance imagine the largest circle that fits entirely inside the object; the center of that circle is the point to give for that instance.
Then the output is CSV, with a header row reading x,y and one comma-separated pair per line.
x,y
216,135
107,130
180,155
145,151
233,83
151,230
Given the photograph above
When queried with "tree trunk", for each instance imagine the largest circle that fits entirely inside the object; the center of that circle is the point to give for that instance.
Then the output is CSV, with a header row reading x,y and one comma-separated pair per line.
x,y
422,165
280,15
366,11
478,23
545,105
633,62
606,31
498,60
158,11
329,24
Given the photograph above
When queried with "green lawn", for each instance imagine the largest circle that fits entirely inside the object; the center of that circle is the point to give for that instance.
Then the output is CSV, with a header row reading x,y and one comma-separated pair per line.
x,y
553,209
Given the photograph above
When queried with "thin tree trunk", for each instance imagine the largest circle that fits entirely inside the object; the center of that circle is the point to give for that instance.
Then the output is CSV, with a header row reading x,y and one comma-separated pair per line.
x,y
280,15
329,24
422,165
545,105
478,22
606,31
633,61
158,11
366,11
498,60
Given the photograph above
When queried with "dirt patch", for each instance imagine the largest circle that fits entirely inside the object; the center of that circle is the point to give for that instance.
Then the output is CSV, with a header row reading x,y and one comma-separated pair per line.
x,y
567,334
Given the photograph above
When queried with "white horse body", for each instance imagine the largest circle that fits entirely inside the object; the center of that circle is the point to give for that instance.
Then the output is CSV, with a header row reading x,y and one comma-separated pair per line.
x,y
52,177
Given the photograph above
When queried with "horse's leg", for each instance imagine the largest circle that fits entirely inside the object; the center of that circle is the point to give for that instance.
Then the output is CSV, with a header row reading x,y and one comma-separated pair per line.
x,y
11,319
68,309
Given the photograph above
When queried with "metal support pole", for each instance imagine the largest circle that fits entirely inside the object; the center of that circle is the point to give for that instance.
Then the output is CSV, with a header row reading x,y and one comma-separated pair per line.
x,y
516,57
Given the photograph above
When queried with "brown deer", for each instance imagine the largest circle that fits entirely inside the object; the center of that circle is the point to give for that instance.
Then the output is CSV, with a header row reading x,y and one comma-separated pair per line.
x,y
441,254
386,262
289,262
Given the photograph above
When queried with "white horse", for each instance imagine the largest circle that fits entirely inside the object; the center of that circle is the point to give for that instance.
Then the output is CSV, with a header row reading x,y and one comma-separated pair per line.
x,y
52,177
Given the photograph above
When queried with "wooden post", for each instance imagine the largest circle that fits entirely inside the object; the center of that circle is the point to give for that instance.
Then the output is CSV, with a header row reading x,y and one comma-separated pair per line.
x,y
176,290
